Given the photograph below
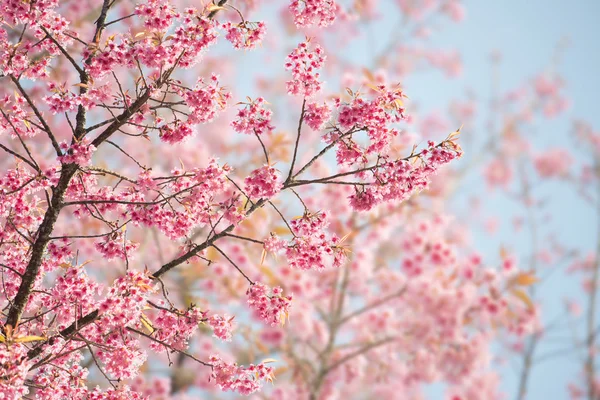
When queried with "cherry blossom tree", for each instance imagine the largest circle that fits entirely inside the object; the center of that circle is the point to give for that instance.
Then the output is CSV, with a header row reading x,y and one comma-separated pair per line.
x,y
168,230
83,89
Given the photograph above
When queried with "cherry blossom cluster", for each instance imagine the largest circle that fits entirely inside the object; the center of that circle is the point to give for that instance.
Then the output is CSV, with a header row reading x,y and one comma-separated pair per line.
x,y
263,182
152,388
126,299
114,52
269,303
274,244
17,60
93,96
79,153
313,12
175,132
75,294
553,163
205,100
312,247
398,180
63,381
116,246
62,100
192,34
245,35
14,367
243,380
317,115
86,188
304,62
60,250
175,328
253,118
202,187
373,116
15,110
421,248
192,38
222,326
122,355
157,14
498,173
548,92
31,56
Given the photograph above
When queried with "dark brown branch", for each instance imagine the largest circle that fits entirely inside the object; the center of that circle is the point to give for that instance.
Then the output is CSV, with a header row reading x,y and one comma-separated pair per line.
x,y
38,115
65,53
263,146
37,249
50,217
245,238
196,249
300,121
168,346
20,157
234,264
119,19
323,151
65,333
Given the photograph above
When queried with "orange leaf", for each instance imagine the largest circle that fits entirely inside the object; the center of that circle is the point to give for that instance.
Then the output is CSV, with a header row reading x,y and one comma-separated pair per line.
x,y
526,279
368,75
281,230
27,339
263,256
374,87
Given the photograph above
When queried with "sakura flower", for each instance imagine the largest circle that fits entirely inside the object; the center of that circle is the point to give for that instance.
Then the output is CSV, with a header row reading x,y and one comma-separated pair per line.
x,y
313,12
77,153
304,62
270,304
263,182
245,35
316,115
253,118
244,380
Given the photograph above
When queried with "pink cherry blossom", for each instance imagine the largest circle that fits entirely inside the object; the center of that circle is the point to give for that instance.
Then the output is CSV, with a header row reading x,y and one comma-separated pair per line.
x,y
313,12
263,182
269,303
244,380
253,118
304,62
245,35
316,116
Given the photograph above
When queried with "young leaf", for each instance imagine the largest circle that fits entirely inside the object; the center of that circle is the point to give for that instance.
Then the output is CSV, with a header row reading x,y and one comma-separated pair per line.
x,y
526,279
27,339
